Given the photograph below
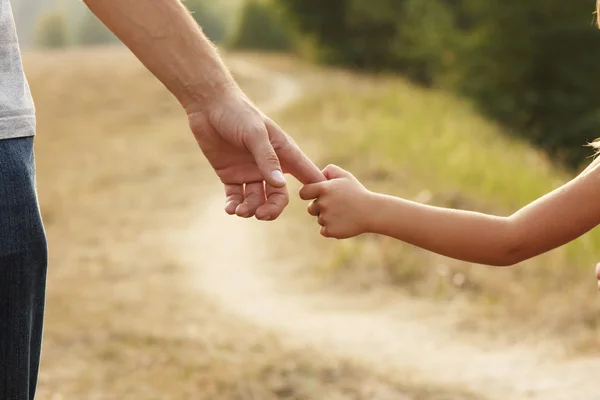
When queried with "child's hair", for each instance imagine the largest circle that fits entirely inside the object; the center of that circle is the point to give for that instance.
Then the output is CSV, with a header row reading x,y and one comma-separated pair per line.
x,y
596,143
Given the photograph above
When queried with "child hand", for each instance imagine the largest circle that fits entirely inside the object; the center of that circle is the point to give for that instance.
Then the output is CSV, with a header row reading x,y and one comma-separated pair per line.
x,y
341,203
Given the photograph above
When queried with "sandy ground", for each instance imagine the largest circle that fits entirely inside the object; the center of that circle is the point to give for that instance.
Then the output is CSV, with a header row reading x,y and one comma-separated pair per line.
x,y
155,293
397,334
120,177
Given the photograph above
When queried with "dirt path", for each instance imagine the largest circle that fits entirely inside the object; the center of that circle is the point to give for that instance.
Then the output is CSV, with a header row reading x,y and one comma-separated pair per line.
x,y
121,320
235,267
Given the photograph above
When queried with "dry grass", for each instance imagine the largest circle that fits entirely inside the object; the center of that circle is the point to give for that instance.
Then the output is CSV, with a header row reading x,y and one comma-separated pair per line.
x,y
117,169
433,147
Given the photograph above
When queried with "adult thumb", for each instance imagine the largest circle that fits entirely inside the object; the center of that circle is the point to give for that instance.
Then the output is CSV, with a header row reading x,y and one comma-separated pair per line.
x,y
266,159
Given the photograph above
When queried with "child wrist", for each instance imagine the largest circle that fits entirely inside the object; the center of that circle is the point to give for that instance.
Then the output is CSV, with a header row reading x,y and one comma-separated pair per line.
x,y
370,207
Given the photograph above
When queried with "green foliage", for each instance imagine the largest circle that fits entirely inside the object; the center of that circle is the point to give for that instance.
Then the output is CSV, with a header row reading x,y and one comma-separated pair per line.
x,y
261,26
208,18
51,31
535,68
408,35
93,32
530,64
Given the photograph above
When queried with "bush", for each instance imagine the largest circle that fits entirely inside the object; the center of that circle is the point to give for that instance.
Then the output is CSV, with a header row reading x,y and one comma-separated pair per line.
x,y
407,35
93,32
51,31
534,67
261,26
212,24
530,64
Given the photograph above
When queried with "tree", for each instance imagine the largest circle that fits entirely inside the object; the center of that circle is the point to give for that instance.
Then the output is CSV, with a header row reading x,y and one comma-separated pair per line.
x,y
210,21
533,66
261,27
530,64
93,32
51,31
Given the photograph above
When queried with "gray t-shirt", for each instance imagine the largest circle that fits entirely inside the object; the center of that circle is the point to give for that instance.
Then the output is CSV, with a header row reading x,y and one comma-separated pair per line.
x,y
17,112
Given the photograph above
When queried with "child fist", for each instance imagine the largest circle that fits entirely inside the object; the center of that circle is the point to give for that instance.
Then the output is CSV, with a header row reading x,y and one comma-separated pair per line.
x,y
341,204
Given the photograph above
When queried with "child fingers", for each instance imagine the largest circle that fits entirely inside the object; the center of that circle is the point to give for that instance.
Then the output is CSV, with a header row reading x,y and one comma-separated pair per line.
x,y
313,208
312,191
334,172
321,221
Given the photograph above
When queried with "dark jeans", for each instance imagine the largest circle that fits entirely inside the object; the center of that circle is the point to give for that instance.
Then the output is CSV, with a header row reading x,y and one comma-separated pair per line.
x,y
23,262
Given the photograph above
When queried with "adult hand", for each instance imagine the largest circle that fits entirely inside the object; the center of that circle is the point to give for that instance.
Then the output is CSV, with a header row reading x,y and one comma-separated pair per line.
x,y
245,148
250,154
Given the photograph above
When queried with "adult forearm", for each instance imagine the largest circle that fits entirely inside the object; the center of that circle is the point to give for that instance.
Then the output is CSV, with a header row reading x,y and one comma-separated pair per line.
x,y
462,235
166,39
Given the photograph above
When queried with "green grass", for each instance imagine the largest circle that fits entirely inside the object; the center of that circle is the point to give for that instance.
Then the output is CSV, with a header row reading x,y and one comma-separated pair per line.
x,y
434,147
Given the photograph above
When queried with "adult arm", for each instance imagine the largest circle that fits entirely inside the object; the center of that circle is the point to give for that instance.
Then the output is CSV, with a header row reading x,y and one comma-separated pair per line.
x,y
243,145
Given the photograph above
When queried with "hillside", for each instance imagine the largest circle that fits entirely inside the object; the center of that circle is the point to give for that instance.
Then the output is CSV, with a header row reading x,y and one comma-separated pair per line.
x,y
120,178
433,147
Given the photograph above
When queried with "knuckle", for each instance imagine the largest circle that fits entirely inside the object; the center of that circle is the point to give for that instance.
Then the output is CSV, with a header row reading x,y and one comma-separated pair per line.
x,y
332,232
252,131
282,142
197,121
271,157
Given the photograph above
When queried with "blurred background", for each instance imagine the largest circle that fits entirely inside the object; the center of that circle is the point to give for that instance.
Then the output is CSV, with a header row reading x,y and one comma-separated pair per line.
x,y
155,294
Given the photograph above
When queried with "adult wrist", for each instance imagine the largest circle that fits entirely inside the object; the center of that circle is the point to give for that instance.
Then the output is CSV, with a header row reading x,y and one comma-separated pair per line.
x,y
201,96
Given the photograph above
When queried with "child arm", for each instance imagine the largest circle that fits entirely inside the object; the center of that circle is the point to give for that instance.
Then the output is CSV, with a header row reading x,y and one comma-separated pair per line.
x,y
345,208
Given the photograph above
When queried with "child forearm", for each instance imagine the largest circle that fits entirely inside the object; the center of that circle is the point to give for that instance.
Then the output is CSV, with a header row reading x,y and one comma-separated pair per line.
x,y
551,221
345,208
462,235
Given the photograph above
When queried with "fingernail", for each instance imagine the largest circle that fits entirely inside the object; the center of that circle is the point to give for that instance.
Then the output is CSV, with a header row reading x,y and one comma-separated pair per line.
x,y
278,176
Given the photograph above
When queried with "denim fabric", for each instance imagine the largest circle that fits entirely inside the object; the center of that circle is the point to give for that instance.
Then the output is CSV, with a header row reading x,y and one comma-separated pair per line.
x,y
23,264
